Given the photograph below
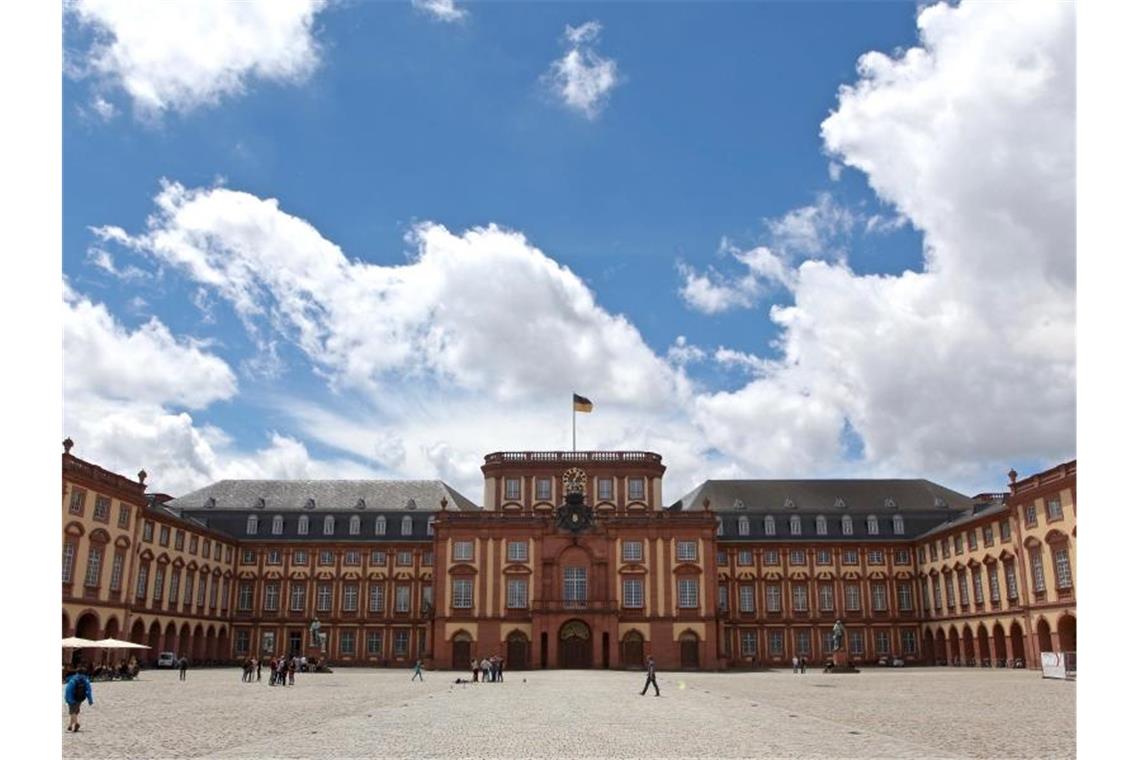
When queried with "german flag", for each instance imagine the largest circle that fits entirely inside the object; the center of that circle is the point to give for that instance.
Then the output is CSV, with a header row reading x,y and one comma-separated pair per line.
x,y
582,404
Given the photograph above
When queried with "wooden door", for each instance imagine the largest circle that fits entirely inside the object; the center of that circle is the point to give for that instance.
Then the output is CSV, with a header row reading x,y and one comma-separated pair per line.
x,y
633,651
461,654
574,645
517,652
690,651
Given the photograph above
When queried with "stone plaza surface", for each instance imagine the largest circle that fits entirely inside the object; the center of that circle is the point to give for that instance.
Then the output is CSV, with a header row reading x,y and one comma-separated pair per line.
x,y
911,713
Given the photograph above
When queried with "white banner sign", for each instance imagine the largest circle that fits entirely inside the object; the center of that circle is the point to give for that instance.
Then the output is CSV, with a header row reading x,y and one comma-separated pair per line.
x,y
1052,665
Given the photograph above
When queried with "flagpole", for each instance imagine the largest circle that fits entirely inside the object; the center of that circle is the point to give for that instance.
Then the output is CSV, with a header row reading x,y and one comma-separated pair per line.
x,y
573,428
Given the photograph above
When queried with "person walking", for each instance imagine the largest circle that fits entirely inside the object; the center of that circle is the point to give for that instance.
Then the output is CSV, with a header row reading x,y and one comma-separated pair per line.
x,y
795,664
651,677
183,664
292,668
77,689
475,671
419,670
259,670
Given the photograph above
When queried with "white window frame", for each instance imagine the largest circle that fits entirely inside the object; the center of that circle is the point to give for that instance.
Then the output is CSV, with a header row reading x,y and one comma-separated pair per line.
x,y
1062,568
605,489
872,525
406,525
381,525
879,596
826,597
375,597
848,526
773,601
329,525
543,489
463,551
899,525
747,596
686,551
516,593
820,525
688,593
517,551
799,597
303,525
795,525
278,526
512,489
632,551
354,525
742,526
251,525
403,598
461,593
636,494
769,525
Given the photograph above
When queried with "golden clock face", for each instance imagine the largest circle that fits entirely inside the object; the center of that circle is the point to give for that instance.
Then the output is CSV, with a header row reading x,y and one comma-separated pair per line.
x,y
574,480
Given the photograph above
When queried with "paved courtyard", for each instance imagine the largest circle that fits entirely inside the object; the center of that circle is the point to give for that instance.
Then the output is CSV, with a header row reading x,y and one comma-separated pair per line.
x,y
919,712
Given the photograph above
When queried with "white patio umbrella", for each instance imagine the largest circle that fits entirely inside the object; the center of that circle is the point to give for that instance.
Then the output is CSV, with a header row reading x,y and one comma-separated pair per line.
x,y
117,644
74,642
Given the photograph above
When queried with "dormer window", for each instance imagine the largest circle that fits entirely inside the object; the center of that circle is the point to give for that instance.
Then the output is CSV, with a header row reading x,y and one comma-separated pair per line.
x,y
251,525
210,503
840,503
872,525
820,525
431,527
889,503
330,525
898,525
406,526
742,526
940,502
303,525
769,525
738,504
360,503
310,503
848,526
354,525
795,525
381,525
719,527
411,504
278,525
259,503
789,503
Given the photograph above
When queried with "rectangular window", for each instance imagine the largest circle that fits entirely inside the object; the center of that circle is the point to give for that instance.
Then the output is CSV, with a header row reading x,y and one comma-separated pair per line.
x,y
995,584
799,598
193,542
375,597
117,571
95,567
427,558
273,557
747,598
427,594
463,551
403,598
772,597
179,539
744,557
373,641
140,587
686,551
217,552
297,597
404,558
631,551
826,597
102,508
909,641
902,557
988,535
971,539
637,489
882,642
245,596
78,496
542,489
400,645
206,548
214,593
823,556
771,557
241,642
268,645
1031,515
229,554
949,583
349,597
979,587
803,642
851,596
748,643
687,593
721,558
1053,510
247,557
516,594
461,593
159,582
513,489
148,531
936,584
875,557
797,557
958,543
906,603
1062,570
605,489
325,557
125,516
378,559
300,557
856,642
921,555
963,590
1038,570
879,597
945,548
324,597
163,535
516,551
851,556
352,557
1005,530
272,593
574,586
776,643
347,643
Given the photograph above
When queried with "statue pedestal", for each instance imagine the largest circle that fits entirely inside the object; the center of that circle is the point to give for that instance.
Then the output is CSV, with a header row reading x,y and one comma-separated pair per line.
x,y
317,659
841,663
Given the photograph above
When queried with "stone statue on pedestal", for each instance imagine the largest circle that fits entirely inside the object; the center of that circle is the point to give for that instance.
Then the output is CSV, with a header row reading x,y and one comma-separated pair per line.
x,y
315,632
838,632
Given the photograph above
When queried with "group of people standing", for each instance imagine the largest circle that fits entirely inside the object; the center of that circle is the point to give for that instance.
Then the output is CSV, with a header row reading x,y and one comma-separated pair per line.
x,y
492,669
282,670
799,664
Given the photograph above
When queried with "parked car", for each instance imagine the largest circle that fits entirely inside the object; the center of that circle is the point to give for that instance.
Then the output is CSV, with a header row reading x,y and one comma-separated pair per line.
x,y
166,660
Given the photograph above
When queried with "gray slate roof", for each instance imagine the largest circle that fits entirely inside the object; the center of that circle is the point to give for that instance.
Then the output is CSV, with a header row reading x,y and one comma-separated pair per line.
x,y
327,495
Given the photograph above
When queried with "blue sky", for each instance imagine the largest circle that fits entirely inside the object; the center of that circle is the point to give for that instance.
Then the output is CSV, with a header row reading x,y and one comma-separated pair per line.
x,y
711,142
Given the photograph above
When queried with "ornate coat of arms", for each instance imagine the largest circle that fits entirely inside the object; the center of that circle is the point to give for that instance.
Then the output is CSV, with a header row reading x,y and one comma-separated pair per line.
x,y
574,515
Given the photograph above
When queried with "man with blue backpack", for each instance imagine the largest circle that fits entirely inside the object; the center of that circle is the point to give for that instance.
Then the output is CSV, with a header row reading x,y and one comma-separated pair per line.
x,y
78,688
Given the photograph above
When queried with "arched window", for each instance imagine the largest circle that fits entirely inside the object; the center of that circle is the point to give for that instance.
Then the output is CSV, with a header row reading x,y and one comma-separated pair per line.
x,y
794,523
872,525
354,526
719,527
898,521
406,526
848,528
330,525
769,526
821,525
303,525
381,525
742,526
278,524
251,524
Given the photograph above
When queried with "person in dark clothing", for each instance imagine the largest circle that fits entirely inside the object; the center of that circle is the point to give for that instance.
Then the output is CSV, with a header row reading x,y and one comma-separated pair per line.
x,y
77,689
259,670
651,677
183,664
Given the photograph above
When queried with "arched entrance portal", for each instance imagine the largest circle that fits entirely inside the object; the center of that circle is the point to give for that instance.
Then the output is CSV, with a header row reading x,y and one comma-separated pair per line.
x,y
1017,642
461,651
928,645
940,652
633,650
1000,653
1067,633
1044,637
955,650
518,650
690,650
968,647
985,659
574,645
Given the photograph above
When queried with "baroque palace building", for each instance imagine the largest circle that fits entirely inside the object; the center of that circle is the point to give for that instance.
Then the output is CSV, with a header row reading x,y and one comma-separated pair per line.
x,y
573,561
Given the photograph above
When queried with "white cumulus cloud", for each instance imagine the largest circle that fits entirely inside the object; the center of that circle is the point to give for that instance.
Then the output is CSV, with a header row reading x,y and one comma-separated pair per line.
x,y
583,78
441,10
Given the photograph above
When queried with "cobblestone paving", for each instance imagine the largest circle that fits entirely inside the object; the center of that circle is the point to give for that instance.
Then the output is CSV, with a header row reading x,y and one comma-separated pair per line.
x,y
904,713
